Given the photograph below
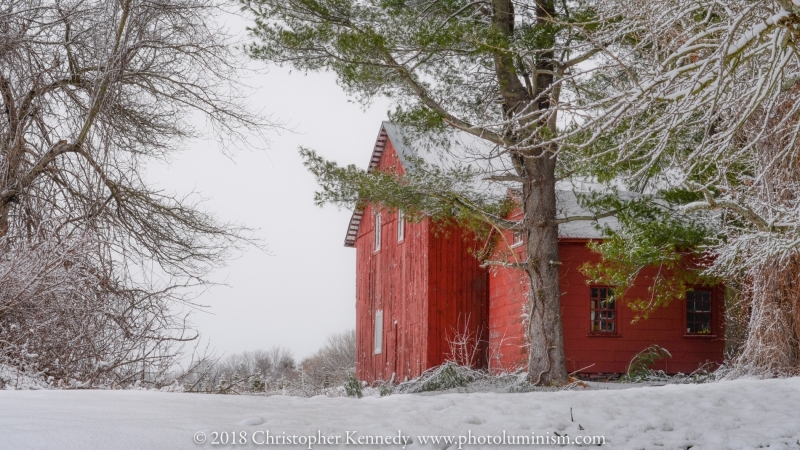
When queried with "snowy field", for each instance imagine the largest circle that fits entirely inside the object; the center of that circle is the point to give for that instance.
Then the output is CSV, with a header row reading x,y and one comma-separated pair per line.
x,y
741,414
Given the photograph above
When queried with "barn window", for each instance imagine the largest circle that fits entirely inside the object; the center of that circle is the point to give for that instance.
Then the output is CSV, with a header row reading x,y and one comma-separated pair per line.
x,y
401,225
604,310
378,331
517,238
698,311
377,232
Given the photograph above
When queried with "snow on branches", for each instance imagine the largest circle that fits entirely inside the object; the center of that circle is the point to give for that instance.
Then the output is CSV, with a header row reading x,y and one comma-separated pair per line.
x,y
93,261
703,96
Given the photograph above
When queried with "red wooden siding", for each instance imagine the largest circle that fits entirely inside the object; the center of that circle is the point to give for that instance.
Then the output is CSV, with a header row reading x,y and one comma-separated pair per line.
x,y
394,280
665,327
591,353
508,350
423,285
457,295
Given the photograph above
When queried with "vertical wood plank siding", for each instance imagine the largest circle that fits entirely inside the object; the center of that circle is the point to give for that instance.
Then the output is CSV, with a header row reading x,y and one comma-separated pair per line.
x,y
458,296
424,285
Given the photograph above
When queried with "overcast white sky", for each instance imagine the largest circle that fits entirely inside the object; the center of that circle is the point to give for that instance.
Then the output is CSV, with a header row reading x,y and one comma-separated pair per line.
x,y
304,290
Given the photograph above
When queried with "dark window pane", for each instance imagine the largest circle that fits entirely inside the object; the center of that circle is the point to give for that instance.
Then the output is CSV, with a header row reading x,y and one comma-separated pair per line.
x,y
603,308
698,311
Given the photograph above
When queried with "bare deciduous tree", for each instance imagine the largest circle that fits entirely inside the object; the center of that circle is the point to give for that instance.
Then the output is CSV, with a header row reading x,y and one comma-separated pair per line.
x,y
92,259
705,94
332,364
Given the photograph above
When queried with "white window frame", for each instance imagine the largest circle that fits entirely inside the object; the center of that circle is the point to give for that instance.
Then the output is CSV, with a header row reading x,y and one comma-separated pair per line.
x,y
518,238
401,225
377,232
379,332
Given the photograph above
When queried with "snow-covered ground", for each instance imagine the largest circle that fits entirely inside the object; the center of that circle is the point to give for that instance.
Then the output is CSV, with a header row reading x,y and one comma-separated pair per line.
x,y
741,414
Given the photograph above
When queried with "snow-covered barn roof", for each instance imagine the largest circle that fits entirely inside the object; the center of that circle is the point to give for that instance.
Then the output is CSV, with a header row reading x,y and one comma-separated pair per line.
x,y
466,149
567,204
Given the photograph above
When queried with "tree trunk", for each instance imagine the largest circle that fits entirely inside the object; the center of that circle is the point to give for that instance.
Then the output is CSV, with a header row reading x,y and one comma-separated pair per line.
x,y
772,308
546,356
537,168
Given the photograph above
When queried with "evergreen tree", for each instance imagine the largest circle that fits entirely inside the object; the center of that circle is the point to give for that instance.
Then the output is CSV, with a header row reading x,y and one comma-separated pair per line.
x,y
499,70
257,384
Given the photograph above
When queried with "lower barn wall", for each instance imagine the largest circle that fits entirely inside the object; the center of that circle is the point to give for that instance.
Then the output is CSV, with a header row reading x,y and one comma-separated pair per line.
x,y
395,281
588,353
458,300
508,288
430,289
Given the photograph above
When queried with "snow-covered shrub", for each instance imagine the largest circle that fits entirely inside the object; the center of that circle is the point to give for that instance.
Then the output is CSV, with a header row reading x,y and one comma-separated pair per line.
x,y
639,367
66,315
640,371
385,389
447,376
353,387
451,375
467,346
223,387
257,384
12,378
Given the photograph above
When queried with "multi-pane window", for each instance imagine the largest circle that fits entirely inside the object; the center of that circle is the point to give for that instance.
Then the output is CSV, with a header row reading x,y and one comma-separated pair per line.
x,y
698,312
378,331
604,310
377,232
401,225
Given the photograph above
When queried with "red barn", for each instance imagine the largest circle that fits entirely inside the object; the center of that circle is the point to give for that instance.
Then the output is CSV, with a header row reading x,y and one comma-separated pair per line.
x,y
418,288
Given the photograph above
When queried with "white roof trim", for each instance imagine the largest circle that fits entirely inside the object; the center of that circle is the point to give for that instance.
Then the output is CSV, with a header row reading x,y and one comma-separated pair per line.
x,y
358,214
